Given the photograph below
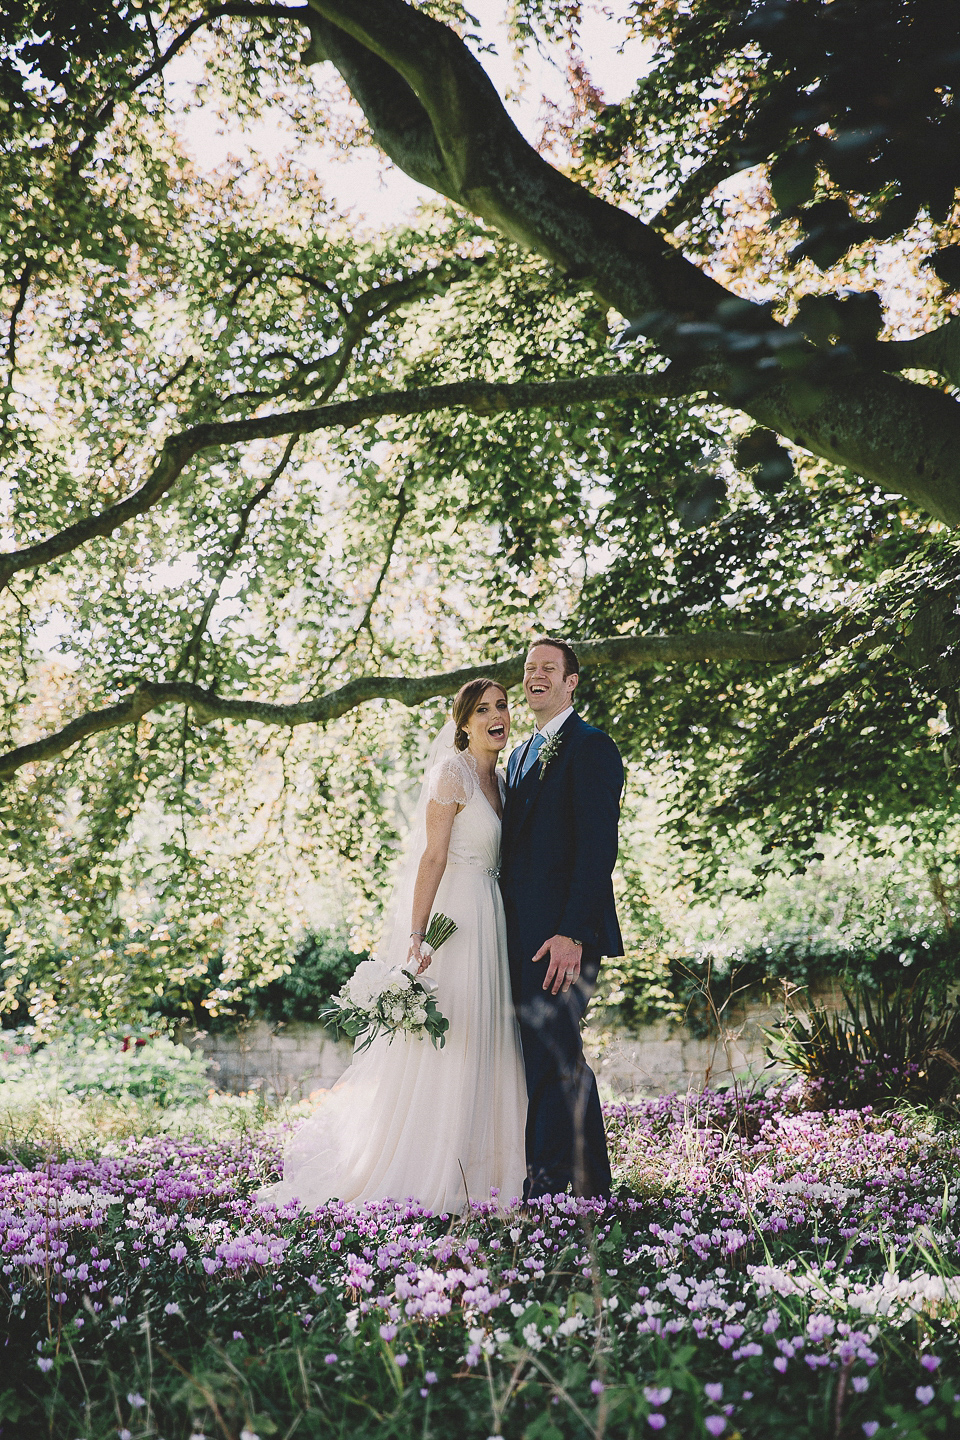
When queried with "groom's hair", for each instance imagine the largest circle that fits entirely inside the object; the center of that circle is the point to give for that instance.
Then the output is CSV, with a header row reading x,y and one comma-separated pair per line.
x,y
571,665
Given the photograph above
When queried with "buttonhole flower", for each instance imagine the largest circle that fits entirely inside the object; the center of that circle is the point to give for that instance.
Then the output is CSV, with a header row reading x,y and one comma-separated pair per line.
x,y
548,752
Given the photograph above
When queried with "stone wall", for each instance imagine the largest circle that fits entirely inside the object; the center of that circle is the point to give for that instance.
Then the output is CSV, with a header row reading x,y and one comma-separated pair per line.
x,y
289,1061
293,1060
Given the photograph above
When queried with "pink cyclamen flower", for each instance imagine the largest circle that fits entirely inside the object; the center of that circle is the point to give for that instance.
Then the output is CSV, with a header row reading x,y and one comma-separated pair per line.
x,y
924,1394
715,1424
655,1395
656,1421
780,1363
714,1391
930,1362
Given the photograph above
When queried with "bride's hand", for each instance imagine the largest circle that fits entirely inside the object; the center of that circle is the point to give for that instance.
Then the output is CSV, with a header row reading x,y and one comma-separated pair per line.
x,y
417,957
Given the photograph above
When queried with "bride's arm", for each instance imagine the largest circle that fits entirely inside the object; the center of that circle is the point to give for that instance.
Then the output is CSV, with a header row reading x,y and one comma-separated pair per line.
x,y
433,862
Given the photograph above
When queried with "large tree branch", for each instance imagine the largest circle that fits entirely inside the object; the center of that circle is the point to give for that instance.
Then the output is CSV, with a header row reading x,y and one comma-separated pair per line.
x,y
621,652
937,350
483,397
439,118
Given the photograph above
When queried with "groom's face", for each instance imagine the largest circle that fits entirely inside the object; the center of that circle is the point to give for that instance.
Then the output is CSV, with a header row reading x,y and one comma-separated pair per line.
x,y
547,689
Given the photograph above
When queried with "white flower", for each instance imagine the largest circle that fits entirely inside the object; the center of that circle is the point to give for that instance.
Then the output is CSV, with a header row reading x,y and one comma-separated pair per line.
x,y
367,984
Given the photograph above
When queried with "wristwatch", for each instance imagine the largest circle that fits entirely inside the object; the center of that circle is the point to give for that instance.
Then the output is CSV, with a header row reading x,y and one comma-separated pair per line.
x,y
575,942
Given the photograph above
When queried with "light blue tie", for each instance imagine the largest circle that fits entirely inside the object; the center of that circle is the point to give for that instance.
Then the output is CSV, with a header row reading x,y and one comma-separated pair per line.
x,y
536,745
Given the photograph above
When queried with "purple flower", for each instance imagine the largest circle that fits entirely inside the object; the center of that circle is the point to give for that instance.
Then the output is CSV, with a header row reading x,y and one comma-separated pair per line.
x,y
780,1363
870,1427
656,1421
714,1391
388,1332
930,1362
45,1364
330,1359
860,1384
924,1394
657,1395
596,1387
430,1377
400,1360
715,1424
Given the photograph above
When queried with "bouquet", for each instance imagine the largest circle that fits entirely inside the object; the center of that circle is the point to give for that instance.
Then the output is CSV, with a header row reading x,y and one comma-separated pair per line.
x,y
387,999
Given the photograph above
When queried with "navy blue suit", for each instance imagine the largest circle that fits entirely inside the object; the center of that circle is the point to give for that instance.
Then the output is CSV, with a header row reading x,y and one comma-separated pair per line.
x,y
558,852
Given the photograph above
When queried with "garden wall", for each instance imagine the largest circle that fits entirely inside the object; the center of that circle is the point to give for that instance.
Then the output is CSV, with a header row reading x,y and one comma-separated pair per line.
x,y
295,1059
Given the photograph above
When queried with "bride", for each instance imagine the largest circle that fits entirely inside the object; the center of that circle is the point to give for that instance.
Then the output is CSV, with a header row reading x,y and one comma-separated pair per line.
x,y
407,1120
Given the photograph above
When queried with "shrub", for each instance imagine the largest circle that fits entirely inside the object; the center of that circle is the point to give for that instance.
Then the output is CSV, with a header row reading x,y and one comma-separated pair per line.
x,y
84,1063
665,981
900,1046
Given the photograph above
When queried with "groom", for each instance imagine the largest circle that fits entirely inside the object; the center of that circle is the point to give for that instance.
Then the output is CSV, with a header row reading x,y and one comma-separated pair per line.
x,y
558,852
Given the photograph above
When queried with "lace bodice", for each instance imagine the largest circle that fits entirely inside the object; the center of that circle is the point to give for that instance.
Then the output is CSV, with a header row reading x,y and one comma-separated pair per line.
x,y
475,838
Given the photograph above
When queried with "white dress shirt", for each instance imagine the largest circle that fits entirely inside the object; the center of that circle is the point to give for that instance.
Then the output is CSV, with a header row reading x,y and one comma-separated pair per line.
x,y
552,726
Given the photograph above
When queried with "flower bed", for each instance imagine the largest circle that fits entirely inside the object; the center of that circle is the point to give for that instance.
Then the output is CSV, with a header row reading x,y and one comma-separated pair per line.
x,y
760,1273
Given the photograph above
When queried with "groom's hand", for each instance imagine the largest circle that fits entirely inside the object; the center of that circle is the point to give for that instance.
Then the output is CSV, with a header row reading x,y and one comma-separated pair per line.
x,y
564,968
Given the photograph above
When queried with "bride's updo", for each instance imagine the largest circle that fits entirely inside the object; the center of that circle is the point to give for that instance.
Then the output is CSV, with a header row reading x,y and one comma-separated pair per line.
x,y
466,700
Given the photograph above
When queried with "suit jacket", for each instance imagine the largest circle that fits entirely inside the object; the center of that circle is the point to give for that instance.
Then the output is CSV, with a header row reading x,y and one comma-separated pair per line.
x,y
559,844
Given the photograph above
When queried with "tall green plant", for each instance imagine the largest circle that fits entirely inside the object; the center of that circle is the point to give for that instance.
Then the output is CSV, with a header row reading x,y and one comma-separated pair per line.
x,y
887,1047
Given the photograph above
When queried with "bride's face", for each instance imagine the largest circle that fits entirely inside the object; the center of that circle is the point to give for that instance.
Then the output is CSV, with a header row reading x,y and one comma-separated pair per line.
x,y
489,726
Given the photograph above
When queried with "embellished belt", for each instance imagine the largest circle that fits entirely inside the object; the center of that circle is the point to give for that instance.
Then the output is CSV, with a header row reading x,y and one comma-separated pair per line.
x,y
472,865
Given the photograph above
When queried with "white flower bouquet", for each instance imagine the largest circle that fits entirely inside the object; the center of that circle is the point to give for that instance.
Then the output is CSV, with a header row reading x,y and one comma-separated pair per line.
x,y
382,999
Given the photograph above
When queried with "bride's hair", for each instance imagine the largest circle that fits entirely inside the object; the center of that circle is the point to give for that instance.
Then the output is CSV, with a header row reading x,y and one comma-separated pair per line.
x,y
466,700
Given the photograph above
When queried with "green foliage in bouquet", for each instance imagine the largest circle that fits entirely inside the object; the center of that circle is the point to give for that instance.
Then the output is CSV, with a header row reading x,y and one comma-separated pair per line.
x,y
886,1048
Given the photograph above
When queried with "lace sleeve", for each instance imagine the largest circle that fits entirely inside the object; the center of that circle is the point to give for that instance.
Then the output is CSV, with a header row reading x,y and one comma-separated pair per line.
x,y
451,782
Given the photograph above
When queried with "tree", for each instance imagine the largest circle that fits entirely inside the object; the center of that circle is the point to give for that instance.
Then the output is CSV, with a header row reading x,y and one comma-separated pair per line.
x,y
235,434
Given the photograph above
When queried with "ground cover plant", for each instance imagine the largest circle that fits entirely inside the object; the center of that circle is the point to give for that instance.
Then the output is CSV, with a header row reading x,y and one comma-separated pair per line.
x,y
762,1270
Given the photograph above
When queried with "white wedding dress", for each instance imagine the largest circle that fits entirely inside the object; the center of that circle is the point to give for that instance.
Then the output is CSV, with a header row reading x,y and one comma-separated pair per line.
x,y
408,1121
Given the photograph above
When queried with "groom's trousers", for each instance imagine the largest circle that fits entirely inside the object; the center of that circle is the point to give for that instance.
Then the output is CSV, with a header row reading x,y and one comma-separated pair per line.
x,y
565,1137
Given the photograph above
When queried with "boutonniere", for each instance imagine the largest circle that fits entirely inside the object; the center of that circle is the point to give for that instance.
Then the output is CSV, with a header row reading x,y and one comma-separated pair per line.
x,y
549,751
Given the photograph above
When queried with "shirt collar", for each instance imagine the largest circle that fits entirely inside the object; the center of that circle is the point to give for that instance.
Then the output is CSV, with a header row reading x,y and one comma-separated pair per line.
x,y
552,726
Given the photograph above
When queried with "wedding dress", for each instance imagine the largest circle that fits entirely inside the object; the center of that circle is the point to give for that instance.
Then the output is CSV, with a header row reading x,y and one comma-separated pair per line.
x,y
406,1120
